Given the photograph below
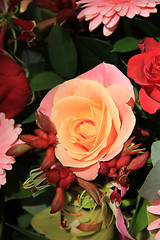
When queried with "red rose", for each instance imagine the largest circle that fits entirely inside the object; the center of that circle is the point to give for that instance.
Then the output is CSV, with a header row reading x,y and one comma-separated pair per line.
x,y
14,88
144,69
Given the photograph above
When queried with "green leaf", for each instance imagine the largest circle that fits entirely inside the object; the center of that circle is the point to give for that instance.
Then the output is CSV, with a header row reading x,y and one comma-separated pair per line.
x,y
35,68
92,52
152,184
62,52
155,152
31,235
139,220
42,14
126,44
24,220
147,27
45,80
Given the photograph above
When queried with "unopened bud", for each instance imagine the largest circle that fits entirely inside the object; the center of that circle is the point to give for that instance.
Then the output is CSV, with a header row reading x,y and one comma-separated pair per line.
x,y
123,161
138,162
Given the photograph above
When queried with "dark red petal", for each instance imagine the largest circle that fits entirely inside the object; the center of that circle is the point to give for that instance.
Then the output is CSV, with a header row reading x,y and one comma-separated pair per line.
x,y
28,36
91,189
2,35
50,5
2,4
13,4
14,95
115,196
24,24
58,201
15,92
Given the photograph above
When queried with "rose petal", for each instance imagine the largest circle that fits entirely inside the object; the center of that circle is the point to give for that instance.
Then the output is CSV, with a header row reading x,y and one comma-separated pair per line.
x,y
136,69
47,102
121,97
108,74
88,173
147,103
147,44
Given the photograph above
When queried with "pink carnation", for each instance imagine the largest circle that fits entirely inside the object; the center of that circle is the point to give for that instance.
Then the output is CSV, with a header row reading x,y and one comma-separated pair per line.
x,y
9,134
155,209
109,12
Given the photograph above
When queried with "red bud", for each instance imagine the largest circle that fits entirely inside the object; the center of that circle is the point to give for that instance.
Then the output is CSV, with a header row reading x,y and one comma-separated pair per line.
x,y
18,150
103,168
123,161
111,163
64,183
58,201
138,162
40,133
53,176
45,123
34,141
48,159
64,171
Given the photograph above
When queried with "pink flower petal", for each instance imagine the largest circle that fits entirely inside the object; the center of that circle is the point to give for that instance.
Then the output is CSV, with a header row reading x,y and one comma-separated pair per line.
x,y
154,209
47,102
157,236
108,9
108,31
154,225
95,23
9,135
108,74
88,173
114,21
120,223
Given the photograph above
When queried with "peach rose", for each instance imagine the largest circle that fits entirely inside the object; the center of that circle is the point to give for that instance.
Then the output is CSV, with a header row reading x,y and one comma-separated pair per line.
x,y
93,117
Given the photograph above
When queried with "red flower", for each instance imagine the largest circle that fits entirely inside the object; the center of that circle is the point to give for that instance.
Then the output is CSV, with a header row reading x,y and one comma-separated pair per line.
x,y
144,69
8,19
14,88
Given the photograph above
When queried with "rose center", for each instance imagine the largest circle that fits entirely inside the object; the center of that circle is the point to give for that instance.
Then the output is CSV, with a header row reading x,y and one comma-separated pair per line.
x,y
86,129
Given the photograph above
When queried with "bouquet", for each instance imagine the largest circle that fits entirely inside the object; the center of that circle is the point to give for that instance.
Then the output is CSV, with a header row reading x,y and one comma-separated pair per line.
x,y
79,119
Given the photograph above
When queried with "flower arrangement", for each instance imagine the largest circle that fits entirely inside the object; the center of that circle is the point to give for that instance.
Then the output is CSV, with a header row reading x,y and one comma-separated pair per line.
x,y
79,119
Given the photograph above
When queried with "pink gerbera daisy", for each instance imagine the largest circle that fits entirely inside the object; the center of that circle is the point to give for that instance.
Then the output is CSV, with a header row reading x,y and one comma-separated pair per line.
x,y
155,209
109,12
9,134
